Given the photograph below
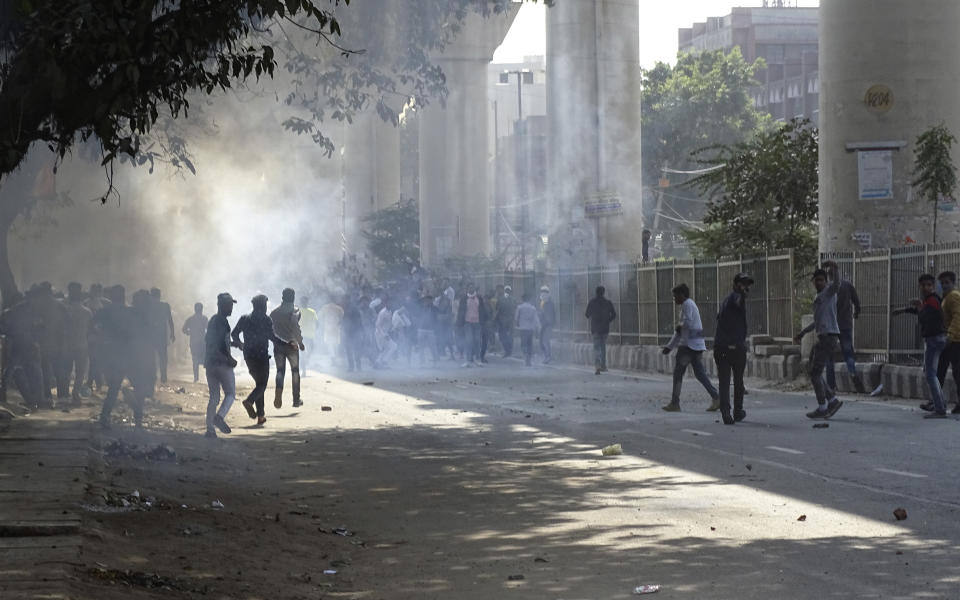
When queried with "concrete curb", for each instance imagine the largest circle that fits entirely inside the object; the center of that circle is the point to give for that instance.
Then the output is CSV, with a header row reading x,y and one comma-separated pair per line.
x,y
898,380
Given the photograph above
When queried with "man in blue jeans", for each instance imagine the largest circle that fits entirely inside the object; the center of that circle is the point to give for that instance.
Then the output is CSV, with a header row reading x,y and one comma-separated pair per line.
x,y
601,313
690,345
934,333
827,283
219,366
848,310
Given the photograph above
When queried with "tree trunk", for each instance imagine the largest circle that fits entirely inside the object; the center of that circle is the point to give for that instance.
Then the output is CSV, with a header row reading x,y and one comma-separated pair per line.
x,y
8,284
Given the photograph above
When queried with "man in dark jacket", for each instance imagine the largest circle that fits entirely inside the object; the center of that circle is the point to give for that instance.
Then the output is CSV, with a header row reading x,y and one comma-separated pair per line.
x,y
196,328
257,331
730,348
116,330
506,310
601,313
548,319
163,334
934,332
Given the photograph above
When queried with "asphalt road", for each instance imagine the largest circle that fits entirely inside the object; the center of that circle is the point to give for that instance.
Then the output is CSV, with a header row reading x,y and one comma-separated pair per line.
x,y
768,507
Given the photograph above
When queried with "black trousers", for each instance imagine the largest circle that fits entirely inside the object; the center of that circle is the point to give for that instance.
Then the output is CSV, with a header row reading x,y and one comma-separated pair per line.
x,y
950,357
260,371
730,361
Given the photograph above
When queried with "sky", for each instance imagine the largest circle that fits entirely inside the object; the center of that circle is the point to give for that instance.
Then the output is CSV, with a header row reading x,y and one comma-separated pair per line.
x,y
659,21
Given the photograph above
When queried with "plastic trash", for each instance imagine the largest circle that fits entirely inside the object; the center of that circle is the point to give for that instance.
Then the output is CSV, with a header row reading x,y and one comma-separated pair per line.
x,y
515,577
326,408
329,571
216,504
877,390
646,589
613,450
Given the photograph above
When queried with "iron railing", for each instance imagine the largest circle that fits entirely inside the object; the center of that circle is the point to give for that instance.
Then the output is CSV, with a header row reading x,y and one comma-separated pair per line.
x,y
641,294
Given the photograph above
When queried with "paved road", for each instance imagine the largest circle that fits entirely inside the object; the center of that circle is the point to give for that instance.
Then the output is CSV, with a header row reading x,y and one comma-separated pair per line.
x,y
707,510
488,483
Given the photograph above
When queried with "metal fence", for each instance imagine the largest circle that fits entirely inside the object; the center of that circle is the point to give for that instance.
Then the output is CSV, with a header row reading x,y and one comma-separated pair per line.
x,y
641,294
887,279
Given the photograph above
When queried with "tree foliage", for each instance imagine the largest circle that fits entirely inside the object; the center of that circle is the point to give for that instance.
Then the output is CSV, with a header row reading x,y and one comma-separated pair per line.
x,y
703,100
934,173
114,74
393,235
382,62
763,194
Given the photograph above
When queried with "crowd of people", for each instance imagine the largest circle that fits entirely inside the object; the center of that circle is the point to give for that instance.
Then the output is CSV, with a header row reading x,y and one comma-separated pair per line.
x,y
92,340
95,341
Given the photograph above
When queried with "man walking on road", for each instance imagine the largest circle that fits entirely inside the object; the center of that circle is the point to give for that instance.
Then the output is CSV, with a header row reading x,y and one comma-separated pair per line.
x,y
951,319
690,345
257,331
219,366
548,319
828,339
286,324
162,322
195,328
730,348
934,334
848,309
78,339
601,313
527,322
506,310
471,315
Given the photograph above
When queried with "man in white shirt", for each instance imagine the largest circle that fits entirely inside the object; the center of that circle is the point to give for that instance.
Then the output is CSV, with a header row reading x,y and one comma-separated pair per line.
x,y
689,342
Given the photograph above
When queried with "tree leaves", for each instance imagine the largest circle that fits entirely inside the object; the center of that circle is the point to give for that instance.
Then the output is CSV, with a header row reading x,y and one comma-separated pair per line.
x,y
763,194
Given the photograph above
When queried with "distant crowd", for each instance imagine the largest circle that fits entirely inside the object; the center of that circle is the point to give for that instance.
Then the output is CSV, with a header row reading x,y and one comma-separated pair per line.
x,y
59,348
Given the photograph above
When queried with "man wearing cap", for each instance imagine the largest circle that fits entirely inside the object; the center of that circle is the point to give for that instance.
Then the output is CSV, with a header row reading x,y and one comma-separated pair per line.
x,y
257,331
219,366
730,348
286,324
548,319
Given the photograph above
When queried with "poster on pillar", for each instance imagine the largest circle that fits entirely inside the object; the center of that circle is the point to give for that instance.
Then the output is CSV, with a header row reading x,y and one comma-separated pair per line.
x,y
875,170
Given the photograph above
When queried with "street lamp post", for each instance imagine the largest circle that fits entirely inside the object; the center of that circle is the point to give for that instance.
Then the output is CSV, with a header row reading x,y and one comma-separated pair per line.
x,y
522,143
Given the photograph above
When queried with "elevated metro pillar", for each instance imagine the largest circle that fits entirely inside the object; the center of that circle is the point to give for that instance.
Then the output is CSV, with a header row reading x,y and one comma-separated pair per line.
x,y
889,69
454,194
593,110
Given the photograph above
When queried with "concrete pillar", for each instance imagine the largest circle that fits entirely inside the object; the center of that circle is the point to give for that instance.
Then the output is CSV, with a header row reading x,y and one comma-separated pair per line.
x,y
907,53
593,108
371,171
454,190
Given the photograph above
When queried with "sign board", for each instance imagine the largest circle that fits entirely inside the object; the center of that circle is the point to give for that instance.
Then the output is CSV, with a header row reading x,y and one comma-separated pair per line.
x,y
875,170
864,238
879,98
603,204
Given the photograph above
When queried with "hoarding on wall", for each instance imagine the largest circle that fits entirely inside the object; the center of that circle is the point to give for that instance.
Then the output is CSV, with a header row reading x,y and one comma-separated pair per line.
x,y
875,170
603,204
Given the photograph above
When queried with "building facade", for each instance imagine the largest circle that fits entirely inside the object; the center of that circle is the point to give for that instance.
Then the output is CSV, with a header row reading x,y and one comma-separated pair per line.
x,y
785,38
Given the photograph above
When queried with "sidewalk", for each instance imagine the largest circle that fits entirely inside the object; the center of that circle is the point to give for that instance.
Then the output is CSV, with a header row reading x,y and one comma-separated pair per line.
x,y
43,473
